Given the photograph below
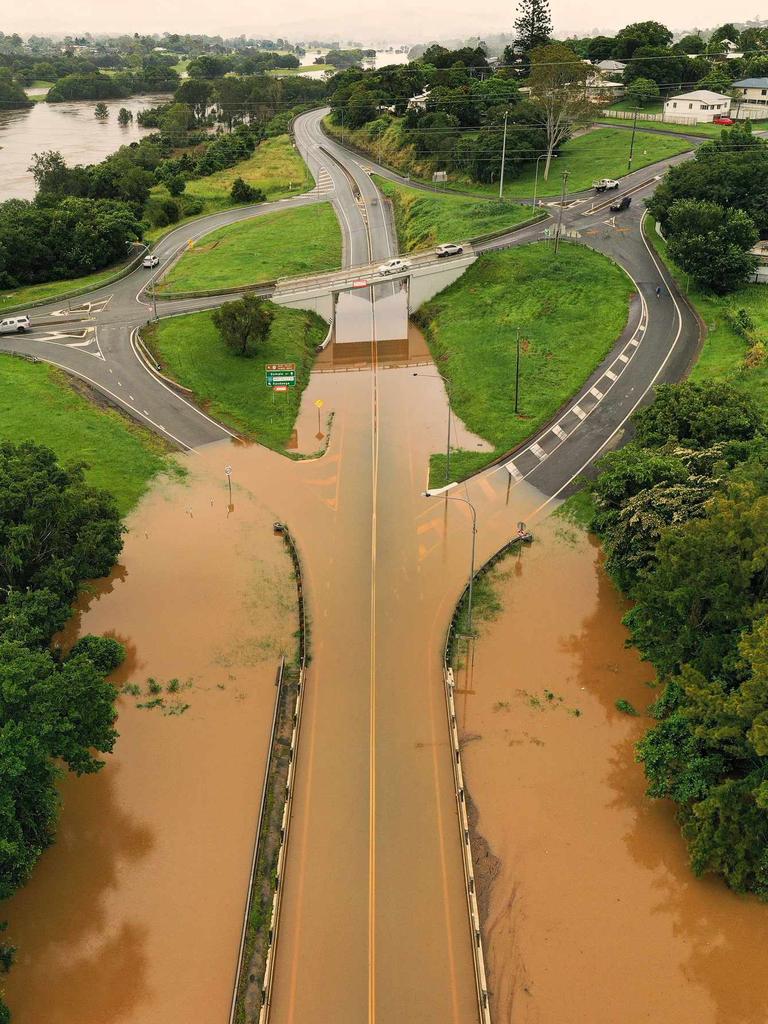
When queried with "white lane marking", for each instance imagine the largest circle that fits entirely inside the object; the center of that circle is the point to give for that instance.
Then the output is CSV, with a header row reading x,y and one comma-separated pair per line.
x,y
558,431
634,342
596,392
611,375
538,451
648,387
579,412
170,390
513,471
624,358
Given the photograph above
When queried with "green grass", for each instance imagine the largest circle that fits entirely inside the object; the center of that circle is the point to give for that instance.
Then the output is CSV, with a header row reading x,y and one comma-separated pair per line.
x,y
281,72
723,352
570,310
578,509
233,388
49,290
602,153
289,242
181,66
423,218
651,108
275,167
37,403
706,131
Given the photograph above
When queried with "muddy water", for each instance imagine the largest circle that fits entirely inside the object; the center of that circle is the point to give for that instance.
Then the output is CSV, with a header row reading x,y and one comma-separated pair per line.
x,y
134,915
594,915
70,128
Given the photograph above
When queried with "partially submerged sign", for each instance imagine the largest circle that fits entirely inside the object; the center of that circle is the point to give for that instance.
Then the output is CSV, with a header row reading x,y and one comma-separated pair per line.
x,y
281,375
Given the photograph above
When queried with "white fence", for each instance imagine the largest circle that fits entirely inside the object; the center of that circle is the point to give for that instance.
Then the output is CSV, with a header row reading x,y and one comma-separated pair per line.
x,y
628,115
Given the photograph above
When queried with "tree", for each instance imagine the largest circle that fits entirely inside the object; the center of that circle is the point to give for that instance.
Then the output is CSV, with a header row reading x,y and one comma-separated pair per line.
x,y
101,110
242,192
640,33
712,243
698,414
642,91
244,324
176,183
558,82
533,26
124,117
690,44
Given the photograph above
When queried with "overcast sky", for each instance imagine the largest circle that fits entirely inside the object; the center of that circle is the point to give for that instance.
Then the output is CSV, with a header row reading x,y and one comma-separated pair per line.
x,y
396,21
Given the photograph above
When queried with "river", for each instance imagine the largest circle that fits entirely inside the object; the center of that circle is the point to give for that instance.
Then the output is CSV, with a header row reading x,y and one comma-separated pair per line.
x,y
70,128
594,912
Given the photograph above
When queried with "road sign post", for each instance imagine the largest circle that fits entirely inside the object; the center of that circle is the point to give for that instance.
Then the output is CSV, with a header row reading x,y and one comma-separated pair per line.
x,y
281,375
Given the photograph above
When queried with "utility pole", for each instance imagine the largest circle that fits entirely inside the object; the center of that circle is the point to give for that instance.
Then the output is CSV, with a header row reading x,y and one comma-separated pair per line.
x,y
632,142
560,214
517,371
503,156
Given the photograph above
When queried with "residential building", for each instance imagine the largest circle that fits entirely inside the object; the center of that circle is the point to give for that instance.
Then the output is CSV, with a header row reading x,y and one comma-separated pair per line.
x,y
697,107
419,102
613,67
752,99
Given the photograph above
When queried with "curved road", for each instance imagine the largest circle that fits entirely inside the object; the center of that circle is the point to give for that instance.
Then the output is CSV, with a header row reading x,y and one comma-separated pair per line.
x,y
374,925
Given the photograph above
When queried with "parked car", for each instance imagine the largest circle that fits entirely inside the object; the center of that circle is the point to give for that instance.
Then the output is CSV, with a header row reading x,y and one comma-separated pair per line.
x,y
393,266
605,184
150,261
449,249
15,325
621,204
723,120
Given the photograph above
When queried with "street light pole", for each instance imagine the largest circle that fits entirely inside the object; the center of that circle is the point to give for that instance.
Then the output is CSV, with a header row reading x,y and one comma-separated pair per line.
x,y
503,156
449,497
632,142
434,376
517,370
560,214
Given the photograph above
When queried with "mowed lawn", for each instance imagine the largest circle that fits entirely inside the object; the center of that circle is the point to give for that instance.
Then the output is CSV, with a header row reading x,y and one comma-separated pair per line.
x,y
289,242
570,310
424,219
233,387
37,403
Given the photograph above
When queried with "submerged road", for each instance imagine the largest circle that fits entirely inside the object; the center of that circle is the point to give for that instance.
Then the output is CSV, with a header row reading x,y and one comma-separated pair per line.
x,y
374,925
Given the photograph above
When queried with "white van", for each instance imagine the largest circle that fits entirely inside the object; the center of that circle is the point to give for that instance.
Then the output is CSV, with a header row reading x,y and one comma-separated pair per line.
x,y
15,324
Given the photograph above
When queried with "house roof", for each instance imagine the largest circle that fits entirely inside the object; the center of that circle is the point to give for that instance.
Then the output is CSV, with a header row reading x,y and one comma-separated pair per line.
x,y
752,83
703,95
611,65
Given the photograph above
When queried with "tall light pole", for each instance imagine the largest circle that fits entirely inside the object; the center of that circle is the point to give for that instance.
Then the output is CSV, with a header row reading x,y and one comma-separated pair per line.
x,y
536,179
560,214
632,142
434,376
449,497
503,156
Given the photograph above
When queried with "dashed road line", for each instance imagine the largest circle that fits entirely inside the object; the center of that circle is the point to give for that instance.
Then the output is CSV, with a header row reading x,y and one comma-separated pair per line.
x,y
579,412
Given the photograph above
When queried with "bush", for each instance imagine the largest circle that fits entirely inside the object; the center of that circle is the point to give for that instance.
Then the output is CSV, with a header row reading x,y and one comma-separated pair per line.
x,y
242,192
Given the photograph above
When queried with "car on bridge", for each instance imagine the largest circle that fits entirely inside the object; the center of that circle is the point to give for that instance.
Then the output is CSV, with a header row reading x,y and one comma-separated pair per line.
x,y
605,184
393,266
449,249
150,261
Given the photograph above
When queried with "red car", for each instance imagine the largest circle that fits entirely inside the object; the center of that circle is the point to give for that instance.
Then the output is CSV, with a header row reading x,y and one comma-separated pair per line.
x,y
723,120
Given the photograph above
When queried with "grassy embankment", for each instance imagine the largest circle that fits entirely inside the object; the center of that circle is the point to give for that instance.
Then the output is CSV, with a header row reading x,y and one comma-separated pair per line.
x,y
423,218
301,241
570,310
37,403
722,355
602,153
281,72
231,387
49,290
275,167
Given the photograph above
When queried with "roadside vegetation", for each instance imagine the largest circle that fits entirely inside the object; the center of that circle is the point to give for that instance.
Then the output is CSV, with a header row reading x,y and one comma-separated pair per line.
x,y
232,388
300,241
41,292
39,403
472,326
424,219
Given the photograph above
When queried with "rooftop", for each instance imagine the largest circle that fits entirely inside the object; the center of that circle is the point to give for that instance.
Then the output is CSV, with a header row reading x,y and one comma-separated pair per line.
x,y
752,83
703,95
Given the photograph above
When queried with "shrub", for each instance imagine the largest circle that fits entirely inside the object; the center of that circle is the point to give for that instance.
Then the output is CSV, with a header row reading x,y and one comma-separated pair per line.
x,y
242,192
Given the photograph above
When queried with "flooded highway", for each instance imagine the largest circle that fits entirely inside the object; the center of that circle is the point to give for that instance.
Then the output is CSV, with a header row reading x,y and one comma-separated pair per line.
x,y
594,914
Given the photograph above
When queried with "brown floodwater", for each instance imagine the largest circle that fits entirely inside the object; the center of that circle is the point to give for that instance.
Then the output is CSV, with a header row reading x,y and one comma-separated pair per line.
x,y
594,914
70,128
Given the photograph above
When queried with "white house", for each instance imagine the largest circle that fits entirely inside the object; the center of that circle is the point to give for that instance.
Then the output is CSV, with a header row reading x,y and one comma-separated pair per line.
x,y
419,102
697,107
752,100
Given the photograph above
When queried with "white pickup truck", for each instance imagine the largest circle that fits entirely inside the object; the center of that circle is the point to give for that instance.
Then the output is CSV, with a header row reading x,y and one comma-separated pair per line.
x,y
605,184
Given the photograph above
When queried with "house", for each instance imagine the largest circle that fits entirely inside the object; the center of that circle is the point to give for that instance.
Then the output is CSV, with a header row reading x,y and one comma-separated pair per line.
x,y
761,272
697,107
613,67
419,102
752,99
603,91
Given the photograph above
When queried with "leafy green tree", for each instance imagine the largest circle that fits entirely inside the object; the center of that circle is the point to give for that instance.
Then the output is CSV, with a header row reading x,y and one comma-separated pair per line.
x,y
176,183
101,110
124,117
642,91
640,33
533,27
245,324
690,44
712,243
242,192
558,88
698,414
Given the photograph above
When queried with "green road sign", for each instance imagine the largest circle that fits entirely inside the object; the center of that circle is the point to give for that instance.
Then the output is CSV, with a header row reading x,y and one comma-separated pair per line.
x,y
281,375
